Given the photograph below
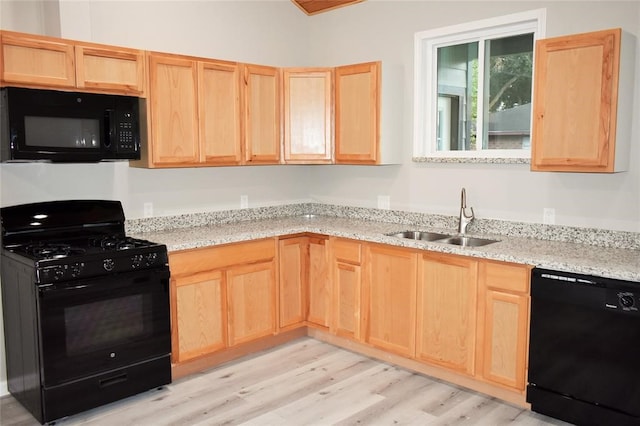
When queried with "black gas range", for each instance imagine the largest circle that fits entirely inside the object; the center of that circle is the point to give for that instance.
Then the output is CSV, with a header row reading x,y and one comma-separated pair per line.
x,y
85,307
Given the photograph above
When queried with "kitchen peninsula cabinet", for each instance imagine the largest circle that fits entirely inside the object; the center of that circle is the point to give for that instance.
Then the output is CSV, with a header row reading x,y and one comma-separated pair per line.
x,y
346,269
194,112
261,114
581,111
221,296
389,298
503,315
308,121
35,61
446,311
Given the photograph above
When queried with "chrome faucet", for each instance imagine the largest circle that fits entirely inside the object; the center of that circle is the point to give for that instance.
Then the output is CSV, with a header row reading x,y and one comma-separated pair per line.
x,y
465,219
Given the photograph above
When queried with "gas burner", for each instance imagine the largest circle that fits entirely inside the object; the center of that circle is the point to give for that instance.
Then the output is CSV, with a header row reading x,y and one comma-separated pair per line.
x,y
52,250
117,243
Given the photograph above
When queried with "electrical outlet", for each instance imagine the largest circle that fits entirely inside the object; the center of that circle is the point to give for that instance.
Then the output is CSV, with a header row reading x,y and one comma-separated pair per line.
x,y
148,209
384,202
548,216
244,201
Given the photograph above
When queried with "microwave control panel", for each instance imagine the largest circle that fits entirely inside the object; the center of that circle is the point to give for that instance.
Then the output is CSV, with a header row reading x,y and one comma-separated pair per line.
x,y
127,132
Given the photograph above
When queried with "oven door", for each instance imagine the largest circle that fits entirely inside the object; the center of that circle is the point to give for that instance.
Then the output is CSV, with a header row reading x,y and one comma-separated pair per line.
x,y
97,325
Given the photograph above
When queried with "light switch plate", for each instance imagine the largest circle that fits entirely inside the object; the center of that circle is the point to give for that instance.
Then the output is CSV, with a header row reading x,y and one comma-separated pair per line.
x,y
549,216
148,209
244,201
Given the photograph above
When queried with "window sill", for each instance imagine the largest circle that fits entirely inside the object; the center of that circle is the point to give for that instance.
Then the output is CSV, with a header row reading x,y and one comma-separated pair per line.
x,y
471,160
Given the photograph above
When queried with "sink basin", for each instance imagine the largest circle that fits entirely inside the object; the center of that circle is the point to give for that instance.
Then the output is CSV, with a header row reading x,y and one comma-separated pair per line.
x,y
467,241
419,235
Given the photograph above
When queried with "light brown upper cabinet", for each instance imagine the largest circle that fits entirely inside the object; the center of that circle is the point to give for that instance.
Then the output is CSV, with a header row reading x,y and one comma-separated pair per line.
x,y
582,103
358,113
52,63
194,112
368,107
308,101
261,115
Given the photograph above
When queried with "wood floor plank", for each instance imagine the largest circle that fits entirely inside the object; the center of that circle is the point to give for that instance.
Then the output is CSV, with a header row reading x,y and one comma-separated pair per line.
x,y
303,382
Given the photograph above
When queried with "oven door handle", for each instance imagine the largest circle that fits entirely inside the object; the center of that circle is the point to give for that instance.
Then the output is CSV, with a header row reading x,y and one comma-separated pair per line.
x,y
110,282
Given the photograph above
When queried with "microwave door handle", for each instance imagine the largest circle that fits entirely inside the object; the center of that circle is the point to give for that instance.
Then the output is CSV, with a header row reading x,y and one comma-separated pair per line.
x,y
109,127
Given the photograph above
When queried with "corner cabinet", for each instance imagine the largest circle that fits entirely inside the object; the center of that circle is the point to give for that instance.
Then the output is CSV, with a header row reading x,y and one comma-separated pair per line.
x,y
581,111
52,63
368,114
308,120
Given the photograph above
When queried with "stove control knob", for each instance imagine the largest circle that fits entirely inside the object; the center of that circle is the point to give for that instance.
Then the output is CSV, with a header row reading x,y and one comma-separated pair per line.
x,y
151,258
136,261
108,265
626,300
58,272
76,269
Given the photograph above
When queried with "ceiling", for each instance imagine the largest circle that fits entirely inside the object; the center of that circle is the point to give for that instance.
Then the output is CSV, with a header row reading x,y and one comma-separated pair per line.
x,y
312,7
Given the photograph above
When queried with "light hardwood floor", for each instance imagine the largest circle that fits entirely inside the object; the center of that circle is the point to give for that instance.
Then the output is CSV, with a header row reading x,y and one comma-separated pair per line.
x,y
304,382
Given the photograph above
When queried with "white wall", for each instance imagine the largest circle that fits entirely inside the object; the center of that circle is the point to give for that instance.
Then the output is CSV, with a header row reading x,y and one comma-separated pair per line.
x,y
383,30
278,33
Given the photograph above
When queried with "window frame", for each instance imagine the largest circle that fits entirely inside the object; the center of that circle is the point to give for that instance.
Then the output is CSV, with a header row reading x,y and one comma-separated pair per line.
x,y
426,44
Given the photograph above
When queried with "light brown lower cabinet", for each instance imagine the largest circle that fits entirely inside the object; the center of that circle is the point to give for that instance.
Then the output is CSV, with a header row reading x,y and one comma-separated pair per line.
x,y
293,258
221,296
346,270
446,311
200,325
319,314
503,323
389,295
461,315
251,291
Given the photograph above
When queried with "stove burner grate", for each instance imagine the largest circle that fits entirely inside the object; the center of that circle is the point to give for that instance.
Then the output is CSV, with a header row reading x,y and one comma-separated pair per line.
x,y
52,250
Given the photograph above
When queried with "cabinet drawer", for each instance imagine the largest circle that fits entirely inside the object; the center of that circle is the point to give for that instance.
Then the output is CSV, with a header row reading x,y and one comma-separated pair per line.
x,y
506,276
347,251
208,258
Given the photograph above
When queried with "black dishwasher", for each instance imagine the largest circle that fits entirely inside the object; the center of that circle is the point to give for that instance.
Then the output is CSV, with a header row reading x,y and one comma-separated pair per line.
x,y
584,352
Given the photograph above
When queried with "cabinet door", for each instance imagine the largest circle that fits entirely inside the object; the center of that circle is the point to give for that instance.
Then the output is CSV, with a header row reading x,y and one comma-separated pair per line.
x,y
504,316
293,258
251,303
307,115
219,112
37,61
575,102
446,326
110,69
357,113
347,281
174,110
319,283
199,316
390,294
261,114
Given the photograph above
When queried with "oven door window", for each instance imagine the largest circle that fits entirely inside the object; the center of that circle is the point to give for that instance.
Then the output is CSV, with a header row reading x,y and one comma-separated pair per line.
x,y
102,324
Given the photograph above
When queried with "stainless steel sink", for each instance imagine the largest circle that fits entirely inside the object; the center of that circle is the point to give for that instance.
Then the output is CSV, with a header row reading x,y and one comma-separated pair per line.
x,y
467,241
419,235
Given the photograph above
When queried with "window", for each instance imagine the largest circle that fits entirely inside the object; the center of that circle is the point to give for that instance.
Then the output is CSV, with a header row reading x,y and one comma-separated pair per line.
x,y
473,88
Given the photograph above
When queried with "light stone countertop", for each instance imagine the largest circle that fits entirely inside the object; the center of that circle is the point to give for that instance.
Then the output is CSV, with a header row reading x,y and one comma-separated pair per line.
x,y
619,263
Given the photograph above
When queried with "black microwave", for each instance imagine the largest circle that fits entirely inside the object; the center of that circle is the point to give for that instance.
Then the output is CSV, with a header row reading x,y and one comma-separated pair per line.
x,y
57,126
